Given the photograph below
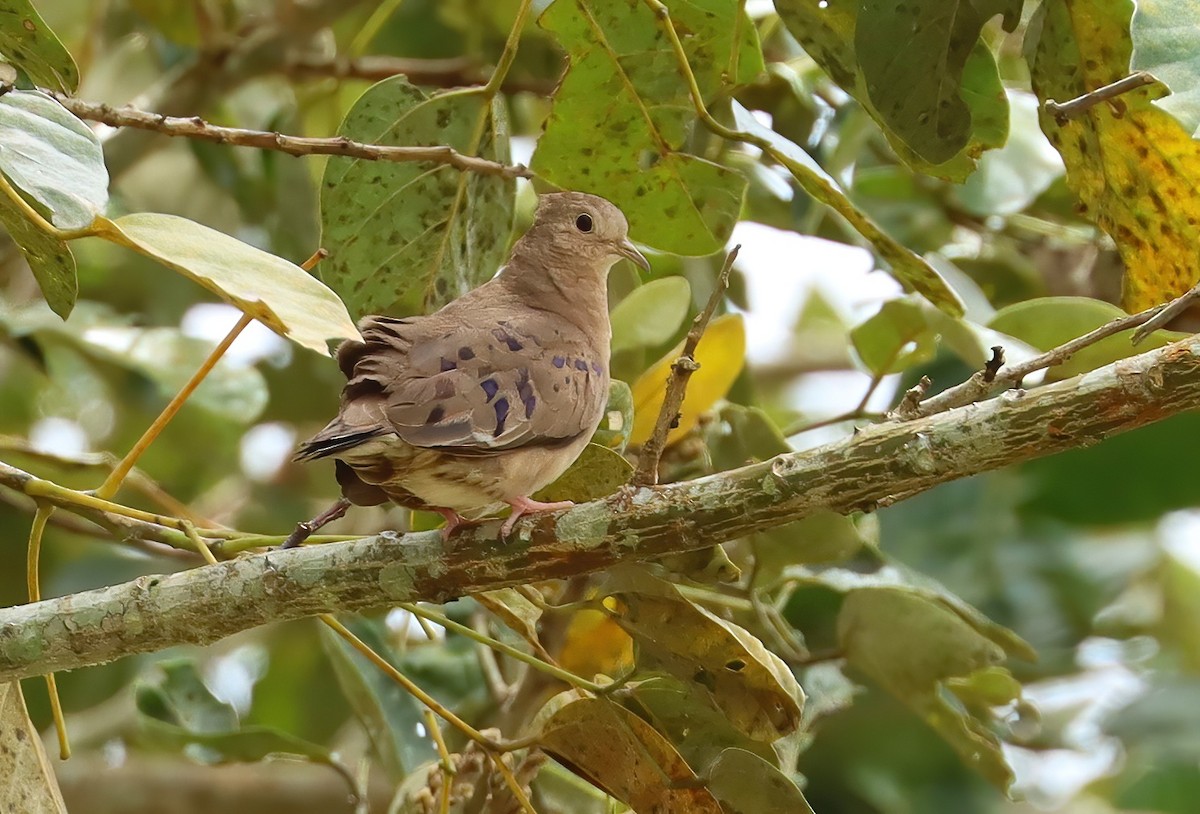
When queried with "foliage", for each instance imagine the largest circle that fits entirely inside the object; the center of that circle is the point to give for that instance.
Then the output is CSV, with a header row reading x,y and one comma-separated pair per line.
x,y
911,659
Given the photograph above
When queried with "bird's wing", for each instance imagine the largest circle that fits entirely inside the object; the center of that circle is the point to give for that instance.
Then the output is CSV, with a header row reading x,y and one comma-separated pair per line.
x,y
479,389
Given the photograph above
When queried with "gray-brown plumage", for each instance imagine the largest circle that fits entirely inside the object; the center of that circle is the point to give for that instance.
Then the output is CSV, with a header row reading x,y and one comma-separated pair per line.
x,y
494,396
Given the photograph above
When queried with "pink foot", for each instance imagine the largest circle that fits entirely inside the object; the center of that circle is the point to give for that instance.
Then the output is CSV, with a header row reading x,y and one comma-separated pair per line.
x,y
453,521
525,505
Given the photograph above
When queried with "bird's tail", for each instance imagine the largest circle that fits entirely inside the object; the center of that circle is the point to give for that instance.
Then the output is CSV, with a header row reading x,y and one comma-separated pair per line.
x,y
336,437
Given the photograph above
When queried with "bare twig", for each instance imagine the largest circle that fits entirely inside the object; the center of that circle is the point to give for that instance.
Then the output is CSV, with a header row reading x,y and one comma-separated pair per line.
x,y
197,128
1167,313
454,72
993,365
681,370
910,406
1062,111
989,380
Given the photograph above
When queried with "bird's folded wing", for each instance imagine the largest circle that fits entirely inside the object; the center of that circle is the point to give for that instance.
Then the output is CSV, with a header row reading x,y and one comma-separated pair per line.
x,y
479,390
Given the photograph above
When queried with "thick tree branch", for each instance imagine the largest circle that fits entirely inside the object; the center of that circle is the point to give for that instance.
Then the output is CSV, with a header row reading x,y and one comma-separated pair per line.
x,y
877,466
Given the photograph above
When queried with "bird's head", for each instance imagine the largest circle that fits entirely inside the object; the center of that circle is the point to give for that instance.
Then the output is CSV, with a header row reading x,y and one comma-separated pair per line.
x,y
585,230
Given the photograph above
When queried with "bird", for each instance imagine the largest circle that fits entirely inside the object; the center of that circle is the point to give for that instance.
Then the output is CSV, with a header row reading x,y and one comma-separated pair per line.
x,y
492,397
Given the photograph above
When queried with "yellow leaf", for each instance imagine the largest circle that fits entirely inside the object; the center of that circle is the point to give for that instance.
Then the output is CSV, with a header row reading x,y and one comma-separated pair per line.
x,y
1132,165
595,644
721,354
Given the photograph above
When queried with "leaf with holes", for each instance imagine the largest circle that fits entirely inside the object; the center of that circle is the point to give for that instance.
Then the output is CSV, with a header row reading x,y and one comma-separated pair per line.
x,y
406,238
1132,165
53,157
27,42
622,115
279,294
752,686
897,337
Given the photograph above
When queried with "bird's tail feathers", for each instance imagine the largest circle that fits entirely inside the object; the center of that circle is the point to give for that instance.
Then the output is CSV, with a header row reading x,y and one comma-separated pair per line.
x,y
336,437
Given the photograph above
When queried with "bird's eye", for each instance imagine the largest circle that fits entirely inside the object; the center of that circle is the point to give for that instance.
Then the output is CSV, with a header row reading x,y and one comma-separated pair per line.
x,y
584,222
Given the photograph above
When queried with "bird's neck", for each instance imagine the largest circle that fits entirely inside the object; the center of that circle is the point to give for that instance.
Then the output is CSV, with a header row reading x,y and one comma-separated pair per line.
x,y
559,287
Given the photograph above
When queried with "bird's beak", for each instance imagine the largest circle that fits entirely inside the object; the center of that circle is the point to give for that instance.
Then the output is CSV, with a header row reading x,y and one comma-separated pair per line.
x,y
626,249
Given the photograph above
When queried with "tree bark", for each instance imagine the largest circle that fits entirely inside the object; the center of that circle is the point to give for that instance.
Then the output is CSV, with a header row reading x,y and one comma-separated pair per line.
x,y
877,466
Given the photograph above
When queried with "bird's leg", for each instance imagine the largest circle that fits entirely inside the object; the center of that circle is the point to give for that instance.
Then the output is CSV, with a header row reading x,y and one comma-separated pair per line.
x,y
303,530
525,505
453,521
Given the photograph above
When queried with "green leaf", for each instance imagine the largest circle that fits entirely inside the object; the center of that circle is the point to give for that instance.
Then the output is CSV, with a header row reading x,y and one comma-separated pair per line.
x,y
1048,322
912,56
28,43
280,294
878,628
744,783
52,157
389,715
896,338
630,147
49,258
182,699
651,314
406,238
744,435
682,712
596,473
1166,42
828,31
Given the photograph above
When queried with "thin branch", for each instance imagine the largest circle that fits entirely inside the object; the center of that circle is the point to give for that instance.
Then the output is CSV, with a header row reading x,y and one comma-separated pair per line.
x,y
987,381
879,464
681,371
1167,313
197,128
1062,111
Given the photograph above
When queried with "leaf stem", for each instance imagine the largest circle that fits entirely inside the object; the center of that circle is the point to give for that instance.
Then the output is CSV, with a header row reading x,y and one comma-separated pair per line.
x,y
510,51
113,482
36,530
565,676
410,686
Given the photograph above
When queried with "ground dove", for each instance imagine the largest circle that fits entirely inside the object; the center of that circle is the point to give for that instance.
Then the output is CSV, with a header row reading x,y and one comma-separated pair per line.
x,y
494,396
